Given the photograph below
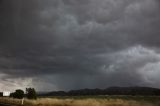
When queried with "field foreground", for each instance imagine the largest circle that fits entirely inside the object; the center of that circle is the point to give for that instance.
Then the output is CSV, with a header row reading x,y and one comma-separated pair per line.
x,y
109,101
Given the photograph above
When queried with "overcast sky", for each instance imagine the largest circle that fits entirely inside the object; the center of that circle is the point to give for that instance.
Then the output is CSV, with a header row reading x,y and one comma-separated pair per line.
x,y
75,44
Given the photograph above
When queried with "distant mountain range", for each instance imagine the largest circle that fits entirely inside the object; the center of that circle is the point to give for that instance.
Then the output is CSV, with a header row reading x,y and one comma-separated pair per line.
x,y
144,91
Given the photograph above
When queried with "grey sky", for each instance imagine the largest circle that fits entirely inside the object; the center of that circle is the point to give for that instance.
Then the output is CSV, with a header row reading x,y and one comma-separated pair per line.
x,y
73,44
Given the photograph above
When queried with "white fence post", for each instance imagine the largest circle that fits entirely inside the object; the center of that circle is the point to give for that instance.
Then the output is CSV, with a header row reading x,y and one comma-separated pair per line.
x,y
22,101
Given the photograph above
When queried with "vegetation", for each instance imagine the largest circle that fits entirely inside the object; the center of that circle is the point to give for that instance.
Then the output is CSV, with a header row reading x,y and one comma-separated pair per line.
x,y
115,96
88,101
31,93
1,94
19,94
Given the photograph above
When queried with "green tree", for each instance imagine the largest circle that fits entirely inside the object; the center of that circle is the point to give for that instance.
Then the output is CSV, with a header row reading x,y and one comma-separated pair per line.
x,y
31,93
19,94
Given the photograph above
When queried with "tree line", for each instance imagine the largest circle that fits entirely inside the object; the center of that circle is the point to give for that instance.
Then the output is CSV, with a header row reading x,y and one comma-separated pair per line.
x,y
19,94
30,93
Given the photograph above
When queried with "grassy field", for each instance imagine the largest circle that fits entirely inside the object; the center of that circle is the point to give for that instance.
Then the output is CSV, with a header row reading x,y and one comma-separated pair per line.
x,y
88,101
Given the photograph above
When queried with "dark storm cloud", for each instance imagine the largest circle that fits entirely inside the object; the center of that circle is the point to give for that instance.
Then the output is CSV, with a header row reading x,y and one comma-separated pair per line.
x,y
88,43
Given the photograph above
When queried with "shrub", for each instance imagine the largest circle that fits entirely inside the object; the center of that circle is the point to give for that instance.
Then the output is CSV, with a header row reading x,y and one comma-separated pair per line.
x,y
31,93
19,94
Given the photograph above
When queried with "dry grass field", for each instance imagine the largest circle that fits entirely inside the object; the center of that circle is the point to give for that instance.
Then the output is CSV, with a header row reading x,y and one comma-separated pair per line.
x,y
81,102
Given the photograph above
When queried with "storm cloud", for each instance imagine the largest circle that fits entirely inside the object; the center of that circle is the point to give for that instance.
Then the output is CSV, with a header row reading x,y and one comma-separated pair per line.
x,y
73,44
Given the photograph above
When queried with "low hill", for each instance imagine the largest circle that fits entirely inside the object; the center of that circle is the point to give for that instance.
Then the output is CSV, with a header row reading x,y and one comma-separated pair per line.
x,y
144,91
